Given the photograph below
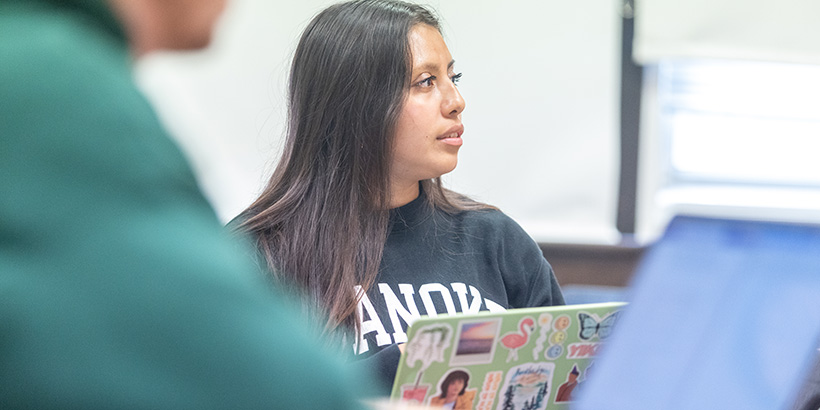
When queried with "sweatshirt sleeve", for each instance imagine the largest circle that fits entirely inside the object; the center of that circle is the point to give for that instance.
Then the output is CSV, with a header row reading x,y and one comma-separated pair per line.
x,y
528,277
381,367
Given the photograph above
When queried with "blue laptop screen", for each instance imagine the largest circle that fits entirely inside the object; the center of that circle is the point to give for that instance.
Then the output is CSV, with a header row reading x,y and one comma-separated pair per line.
x,y
723,314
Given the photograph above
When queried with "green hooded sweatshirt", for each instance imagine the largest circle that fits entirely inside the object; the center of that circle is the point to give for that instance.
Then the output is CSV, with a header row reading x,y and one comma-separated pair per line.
x,y
118,285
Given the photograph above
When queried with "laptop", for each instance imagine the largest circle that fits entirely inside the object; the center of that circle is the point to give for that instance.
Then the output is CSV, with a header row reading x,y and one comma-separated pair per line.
x,y
519,359
723,314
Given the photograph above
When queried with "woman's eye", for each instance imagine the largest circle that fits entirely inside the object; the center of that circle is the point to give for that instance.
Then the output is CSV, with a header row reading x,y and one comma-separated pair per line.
x,y
427,82
456,78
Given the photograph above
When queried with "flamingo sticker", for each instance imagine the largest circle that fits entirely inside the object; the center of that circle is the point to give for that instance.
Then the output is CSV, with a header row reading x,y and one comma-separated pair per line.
x,y
516,340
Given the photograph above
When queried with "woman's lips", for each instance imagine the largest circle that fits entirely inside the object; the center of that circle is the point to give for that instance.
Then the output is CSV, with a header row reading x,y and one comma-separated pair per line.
x,y
453,136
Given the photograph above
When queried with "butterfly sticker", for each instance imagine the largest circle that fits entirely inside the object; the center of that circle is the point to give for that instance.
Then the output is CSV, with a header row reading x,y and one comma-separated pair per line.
x,y
591,326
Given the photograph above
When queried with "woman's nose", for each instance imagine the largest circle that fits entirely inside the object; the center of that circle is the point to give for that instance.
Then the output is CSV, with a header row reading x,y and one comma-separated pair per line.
x,y
452,104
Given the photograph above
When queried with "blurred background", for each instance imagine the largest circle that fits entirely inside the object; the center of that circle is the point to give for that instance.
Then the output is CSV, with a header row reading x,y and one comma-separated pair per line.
x,y
591,123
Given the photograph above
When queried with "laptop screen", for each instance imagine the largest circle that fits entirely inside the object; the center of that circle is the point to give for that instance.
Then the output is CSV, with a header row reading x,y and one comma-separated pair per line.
x,y
724,314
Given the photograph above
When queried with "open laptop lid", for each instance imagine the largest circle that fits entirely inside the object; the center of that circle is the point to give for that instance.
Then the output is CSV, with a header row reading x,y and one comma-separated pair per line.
x,y
533,358
723,314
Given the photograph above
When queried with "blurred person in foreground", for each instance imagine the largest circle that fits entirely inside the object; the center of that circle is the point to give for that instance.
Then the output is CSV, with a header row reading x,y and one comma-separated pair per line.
x,y
118,287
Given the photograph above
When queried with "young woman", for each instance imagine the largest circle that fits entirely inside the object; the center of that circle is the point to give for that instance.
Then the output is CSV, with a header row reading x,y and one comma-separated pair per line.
x,y
355,215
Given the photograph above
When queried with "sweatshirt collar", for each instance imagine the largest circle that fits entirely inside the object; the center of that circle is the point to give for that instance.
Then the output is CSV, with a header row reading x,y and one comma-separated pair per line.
x,y
412,214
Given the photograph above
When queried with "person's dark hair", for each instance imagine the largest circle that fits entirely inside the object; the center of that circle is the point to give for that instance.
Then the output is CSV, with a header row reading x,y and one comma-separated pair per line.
x,y
322,220
453,376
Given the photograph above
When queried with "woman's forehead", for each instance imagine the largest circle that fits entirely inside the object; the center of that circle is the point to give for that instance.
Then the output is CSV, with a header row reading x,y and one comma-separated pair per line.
x,y
428,49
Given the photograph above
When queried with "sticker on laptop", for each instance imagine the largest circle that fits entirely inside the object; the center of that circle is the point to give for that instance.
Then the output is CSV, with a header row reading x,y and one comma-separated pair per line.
x,y
424,349
527,387
544,322
476,341
565,390
453,392
489,390
591,326
518,339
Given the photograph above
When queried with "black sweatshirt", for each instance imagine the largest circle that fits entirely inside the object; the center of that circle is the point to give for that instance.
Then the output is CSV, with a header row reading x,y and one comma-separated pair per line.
x,y
438,263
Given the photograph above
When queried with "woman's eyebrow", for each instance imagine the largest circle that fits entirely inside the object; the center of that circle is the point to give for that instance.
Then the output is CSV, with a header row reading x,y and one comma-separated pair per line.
x,y
430,66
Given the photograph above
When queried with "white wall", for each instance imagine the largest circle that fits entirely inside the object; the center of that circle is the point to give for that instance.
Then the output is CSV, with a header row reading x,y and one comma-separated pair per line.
x,y
757,62
541,83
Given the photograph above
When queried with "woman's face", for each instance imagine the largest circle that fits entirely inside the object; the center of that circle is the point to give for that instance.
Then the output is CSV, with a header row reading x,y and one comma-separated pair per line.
x,y
428,133
455,387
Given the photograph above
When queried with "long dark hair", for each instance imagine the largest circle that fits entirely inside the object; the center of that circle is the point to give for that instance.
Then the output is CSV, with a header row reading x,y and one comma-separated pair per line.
x,y
321,222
